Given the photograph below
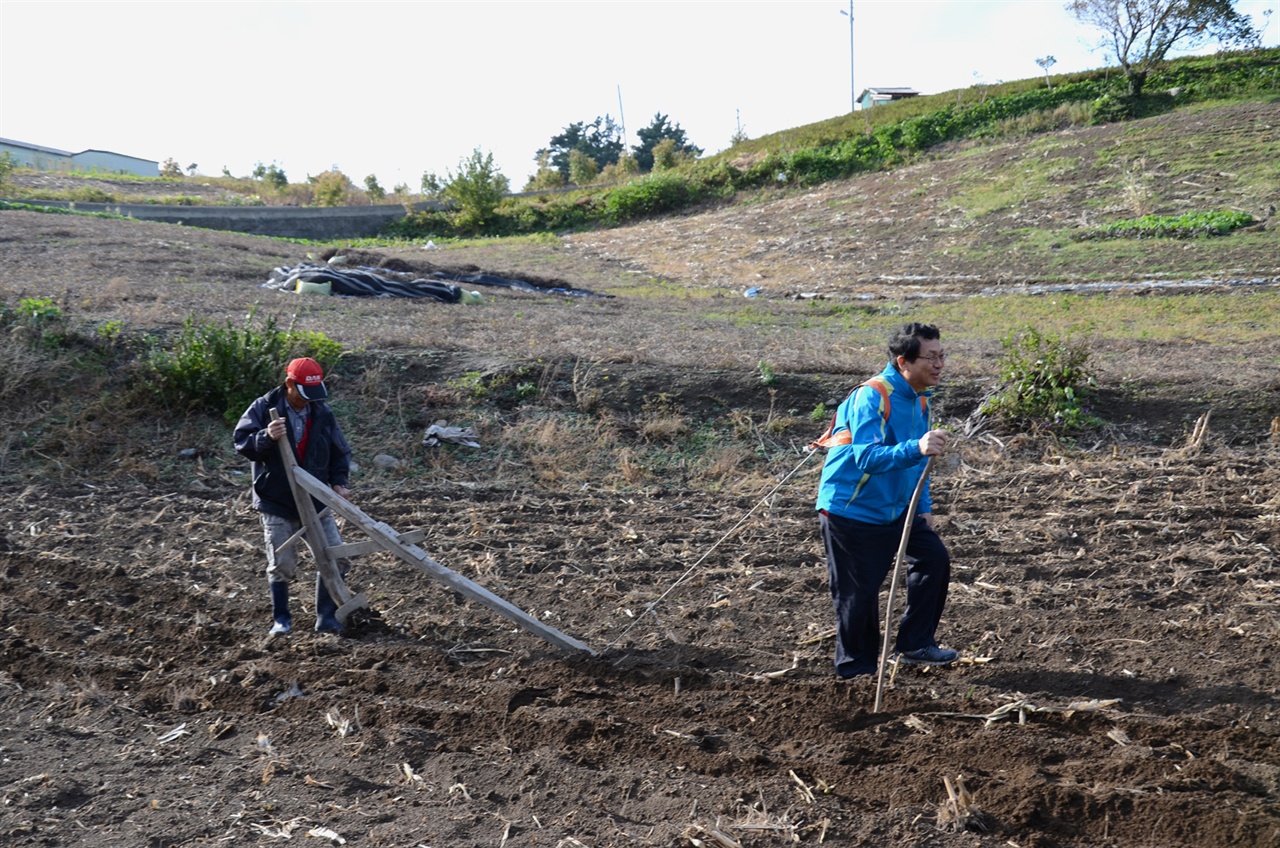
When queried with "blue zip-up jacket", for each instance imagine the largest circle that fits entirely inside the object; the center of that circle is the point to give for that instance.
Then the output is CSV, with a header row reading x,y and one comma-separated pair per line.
x,y
872,478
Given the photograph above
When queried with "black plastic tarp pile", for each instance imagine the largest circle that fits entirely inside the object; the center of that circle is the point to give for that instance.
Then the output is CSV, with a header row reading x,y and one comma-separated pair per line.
x,y
357,282
367,282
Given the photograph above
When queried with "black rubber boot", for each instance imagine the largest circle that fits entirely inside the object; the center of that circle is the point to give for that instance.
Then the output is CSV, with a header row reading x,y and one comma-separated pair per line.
x,y
326,609
282,623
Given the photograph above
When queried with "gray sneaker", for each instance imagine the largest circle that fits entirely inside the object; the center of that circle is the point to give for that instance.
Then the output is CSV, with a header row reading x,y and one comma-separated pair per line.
x,y
931,655
280,628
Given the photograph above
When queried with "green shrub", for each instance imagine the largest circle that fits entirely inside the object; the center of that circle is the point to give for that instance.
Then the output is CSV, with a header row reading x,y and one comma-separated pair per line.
x,y
39,312
1044,381
651,195
90,195
1187,225
222,369
7,166
431,223
813,166
535,215
38,321
476,189
471,385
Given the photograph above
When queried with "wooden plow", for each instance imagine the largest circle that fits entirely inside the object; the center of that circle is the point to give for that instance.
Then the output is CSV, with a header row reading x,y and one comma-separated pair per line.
x,y
383,537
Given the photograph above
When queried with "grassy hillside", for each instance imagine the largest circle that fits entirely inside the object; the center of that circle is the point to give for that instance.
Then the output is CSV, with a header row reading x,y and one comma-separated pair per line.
x,y
884,138
879,139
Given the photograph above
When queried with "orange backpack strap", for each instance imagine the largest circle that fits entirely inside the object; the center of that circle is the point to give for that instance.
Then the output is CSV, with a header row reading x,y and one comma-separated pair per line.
x,y
831,439
880,385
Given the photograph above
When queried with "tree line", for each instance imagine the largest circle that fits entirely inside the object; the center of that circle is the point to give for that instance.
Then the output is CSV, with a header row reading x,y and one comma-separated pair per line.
x,y
1138,34
582,154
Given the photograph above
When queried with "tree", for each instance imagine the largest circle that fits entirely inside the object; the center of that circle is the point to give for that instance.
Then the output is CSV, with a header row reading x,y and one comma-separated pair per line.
x,y
477,188
621,171
546,177
7,166
582,168
601,140
170,168
658,130
1141,33
375,191
330,188
1045,64
666,156
432,186
271,174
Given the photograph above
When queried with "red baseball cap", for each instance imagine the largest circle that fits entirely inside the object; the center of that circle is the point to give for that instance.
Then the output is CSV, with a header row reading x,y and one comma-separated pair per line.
x,y
308,377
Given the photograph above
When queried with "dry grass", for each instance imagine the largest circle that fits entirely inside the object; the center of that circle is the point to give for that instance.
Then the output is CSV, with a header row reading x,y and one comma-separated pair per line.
x,y
958,811
664,428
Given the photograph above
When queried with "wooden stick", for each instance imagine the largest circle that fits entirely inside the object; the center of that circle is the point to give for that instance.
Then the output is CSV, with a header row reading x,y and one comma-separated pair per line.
x,y
313,534
296,537
893,581
354,549
389,540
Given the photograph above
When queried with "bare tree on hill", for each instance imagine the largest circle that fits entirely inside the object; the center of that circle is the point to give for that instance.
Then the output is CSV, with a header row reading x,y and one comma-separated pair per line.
x,y
1141,33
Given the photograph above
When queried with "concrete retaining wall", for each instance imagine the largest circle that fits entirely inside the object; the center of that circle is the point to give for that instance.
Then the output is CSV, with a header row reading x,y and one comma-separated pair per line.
x,y
282,221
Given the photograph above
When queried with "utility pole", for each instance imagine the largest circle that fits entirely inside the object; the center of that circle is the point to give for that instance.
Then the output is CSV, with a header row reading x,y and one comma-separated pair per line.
x,y
853,92
623,118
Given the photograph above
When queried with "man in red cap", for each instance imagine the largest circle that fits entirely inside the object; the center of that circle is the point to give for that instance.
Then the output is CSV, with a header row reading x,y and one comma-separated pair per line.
x,y
321,449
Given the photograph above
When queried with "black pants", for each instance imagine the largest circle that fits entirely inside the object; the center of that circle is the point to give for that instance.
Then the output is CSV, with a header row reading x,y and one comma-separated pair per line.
x,y
859,556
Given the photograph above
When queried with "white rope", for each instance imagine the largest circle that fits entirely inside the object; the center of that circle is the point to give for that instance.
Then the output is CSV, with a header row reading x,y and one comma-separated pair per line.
x,y
683,577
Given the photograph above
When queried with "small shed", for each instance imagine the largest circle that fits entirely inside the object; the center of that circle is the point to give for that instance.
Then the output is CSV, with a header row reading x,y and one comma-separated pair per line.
x,y
879,96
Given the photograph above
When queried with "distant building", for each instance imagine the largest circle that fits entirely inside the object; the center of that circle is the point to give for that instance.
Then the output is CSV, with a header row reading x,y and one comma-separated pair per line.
x,y
35,156
879,96
91,161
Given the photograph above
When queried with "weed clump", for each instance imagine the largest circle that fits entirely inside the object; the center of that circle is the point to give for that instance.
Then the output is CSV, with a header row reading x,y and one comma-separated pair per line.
x,y
1187,225
1045,381
221,369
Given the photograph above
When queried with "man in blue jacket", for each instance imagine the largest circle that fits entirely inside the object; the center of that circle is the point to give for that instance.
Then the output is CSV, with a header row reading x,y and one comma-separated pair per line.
x,y
878,446
317,441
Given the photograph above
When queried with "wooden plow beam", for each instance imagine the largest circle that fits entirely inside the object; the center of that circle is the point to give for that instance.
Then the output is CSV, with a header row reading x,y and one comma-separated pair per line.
x,y
385,538
313,534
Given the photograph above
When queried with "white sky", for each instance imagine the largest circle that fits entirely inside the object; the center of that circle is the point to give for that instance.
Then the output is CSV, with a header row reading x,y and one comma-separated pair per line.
x,y
399,88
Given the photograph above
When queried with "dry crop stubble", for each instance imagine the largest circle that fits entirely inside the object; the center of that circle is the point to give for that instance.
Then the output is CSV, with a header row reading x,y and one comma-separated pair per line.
x,y
1168,610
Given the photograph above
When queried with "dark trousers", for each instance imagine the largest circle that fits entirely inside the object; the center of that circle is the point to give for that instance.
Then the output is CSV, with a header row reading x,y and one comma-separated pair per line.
x,y
859,556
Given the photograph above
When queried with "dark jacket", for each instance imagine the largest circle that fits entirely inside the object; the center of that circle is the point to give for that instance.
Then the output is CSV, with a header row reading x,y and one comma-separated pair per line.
x,y
328,456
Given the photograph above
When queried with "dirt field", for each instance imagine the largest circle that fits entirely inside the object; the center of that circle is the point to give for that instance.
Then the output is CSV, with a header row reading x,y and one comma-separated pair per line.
x,y
1116,603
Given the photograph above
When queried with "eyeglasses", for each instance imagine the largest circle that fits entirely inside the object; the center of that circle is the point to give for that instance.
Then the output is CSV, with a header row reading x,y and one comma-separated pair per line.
x,y
934,358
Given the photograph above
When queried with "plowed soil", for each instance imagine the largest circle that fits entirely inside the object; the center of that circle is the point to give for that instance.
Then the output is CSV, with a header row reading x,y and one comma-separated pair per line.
x,y
1115,606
